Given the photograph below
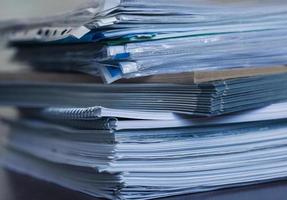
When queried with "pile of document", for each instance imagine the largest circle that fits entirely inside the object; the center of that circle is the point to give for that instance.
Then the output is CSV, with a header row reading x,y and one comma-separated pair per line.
x,y
118,39
199,102
125,155
205,99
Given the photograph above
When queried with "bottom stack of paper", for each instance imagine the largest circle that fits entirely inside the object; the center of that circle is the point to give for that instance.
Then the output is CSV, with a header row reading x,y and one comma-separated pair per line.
x,y
146,163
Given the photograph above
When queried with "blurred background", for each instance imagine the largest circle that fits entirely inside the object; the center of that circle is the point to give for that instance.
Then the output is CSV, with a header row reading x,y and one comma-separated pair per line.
x,y
20,9
10,9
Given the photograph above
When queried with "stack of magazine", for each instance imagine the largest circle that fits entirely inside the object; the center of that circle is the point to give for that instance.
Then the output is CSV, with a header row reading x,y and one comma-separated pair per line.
x,y
185,96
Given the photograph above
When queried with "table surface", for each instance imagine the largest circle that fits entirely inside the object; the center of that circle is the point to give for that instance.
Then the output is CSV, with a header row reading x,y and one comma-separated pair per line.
x,y
19,187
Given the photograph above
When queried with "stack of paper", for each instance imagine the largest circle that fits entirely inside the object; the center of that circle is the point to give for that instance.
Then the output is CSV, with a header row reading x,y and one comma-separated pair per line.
x,y
126,39
205,99
200,101
103,158
124,153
